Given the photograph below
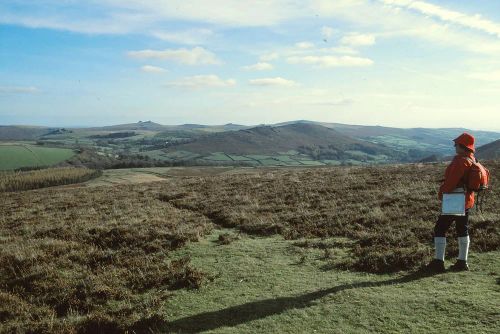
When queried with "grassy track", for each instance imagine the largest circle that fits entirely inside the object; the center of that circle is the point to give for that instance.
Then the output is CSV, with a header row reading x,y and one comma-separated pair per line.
x,y
24,155
263,285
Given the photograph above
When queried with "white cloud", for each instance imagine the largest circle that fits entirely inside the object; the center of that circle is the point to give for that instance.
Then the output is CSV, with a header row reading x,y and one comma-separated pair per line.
x,y
486,76
343,50
195,56
308,100
269,56
304,45
115,16
465,20
222,12
293,54
153,69
332,102
387,18
388,21
190,37
327,33
355,39
109,25
201,81
260,66
444,36
277,81
331,61
4,90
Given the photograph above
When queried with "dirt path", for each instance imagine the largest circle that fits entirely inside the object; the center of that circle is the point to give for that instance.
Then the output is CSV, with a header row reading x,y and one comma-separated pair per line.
x,y
123,176
112,177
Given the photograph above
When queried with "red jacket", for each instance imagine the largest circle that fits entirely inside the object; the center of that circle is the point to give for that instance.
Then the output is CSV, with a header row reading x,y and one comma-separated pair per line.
x,y
453,178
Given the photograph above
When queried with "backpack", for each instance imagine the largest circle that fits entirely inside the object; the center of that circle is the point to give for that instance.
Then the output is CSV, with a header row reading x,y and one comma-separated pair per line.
x,y
478,177
477,180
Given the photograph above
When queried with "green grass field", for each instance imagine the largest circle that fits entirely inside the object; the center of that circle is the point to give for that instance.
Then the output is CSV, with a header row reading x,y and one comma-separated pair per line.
x,y
218,156
265,285
284,159
156,154
239,157
14,156
404,143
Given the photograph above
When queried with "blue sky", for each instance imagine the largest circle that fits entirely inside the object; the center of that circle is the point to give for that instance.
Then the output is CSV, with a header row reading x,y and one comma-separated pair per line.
x,y
379,62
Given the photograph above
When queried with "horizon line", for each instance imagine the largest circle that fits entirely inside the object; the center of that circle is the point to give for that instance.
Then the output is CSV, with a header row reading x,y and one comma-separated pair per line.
x,y
251,125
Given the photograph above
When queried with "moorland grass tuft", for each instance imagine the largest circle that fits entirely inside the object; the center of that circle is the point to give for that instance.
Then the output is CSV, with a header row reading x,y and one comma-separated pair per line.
x,y
92,260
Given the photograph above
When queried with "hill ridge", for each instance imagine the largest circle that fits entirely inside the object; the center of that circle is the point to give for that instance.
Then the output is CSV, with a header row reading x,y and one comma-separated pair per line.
x,y
489,151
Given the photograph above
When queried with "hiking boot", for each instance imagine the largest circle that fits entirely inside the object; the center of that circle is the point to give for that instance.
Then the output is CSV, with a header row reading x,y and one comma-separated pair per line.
x,y
460,265
435,266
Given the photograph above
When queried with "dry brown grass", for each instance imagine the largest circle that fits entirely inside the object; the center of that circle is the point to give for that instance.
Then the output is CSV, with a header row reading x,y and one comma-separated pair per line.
x,y
93,260
26,180
388,211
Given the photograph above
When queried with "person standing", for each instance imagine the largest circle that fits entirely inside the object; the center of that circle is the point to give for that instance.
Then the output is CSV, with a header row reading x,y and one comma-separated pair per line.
x,y
455,177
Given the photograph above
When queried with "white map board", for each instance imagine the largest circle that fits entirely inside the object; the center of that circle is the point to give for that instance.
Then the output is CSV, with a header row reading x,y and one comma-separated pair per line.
x,y
453,204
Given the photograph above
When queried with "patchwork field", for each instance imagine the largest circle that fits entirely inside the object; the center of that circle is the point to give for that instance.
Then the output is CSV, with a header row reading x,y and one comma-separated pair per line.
x,y
297,143
14,156
325,249
291,159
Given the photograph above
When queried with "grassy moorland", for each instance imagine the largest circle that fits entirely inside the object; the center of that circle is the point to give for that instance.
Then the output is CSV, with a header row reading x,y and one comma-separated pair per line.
x,y
91,260
264,285
330,250
385,215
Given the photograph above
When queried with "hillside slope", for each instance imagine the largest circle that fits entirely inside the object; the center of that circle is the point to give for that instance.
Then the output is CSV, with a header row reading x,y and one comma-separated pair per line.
x,y
148,125
15,132
427,141
269,139
437,136
489,151
152,126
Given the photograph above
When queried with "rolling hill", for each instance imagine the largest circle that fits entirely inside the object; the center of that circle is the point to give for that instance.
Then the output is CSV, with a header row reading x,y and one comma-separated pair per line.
x,y
299,142
489,151
147,125
427,141
152,126
275,139
20,132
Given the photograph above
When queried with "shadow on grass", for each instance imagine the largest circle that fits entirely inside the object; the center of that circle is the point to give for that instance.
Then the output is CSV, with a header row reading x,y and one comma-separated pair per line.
x,y
236,315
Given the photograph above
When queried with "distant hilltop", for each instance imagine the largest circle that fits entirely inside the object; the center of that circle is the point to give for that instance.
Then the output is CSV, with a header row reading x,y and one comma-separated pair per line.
x,y
294,143
489,151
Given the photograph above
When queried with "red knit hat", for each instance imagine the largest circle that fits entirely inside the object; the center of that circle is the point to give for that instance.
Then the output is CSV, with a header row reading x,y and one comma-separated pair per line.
x,y
466,140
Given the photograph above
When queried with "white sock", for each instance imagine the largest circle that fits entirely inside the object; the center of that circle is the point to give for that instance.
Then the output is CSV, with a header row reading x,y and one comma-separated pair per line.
x,y
440,247
463,248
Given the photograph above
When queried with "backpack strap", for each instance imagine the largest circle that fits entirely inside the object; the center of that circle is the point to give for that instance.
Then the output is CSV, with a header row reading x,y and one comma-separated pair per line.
x,y
465,178
472,161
